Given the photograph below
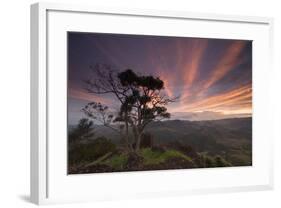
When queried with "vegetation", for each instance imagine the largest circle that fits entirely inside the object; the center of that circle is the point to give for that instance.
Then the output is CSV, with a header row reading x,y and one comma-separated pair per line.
x,y
146,159
116,162
90,151
83,131
155,157
141,101
139,135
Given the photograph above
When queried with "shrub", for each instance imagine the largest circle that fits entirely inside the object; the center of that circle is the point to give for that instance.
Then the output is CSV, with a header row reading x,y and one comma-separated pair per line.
x,y
205,161
186,149
135,161
116,162
154,157
240,159
146,140
84,130
102,145
220,162
88,152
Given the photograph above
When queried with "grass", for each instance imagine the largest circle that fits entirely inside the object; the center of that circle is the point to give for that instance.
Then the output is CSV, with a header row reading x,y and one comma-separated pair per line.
x,y
150,157
154,157
240,159
116,161
212,161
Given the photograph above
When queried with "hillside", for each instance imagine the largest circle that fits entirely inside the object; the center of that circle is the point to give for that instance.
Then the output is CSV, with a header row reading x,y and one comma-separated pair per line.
x,y
230,138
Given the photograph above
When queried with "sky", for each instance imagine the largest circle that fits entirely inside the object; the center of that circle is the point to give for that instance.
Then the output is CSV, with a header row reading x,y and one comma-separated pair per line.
x,y
211,77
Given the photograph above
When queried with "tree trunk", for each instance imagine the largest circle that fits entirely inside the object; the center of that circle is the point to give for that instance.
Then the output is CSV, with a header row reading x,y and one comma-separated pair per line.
x,y
129,145
138,141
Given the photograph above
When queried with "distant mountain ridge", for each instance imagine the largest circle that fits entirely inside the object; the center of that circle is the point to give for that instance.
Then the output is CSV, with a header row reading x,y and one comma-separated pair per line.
x,y
206,115
202,133
191,131
230,137
230,128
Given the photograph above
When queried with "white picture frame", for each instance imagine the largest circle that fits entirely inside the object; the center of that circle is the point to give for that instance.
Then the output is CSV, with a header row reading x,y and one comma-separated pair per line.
x,y
49,181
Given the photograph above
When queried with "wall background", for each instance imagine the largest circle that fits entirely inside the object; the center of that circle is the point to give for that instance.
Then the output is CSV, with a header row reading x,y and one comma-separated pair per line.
x,y
14,110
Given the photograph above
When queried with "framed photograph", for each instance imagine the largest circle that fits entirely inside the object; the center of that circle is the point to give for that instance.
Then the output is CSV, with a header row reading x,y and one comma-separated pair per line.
x,y
133,103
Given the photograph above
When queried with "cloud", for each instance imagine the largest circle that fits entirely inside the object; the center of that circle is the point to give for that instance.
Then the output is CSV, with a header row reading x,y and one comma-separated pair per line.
x,y
79,94
187,63
167,85
227,63
208,75
206,115
106,51
233,99
191,67
192,64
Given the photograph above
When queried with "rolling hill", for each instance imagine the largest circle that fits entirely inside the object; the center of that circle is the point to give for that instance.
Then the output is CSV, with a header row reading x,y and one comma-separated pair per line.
x,y
230,138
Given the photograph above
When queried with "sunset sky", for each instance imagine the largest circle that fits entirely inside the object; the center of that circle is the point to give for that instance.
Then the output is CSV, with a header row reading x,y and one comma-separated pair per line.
x,y
212,77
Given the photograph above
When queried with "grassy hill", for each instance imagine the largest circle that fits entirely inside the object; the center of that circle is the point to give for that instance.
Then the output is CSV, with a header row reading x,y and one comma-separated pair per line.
x,y
231,138
190,142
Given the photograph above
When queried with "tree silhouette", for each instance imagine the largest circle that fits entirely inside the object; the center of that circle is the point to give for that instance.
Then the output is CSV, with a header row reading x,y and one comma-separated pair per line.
x,y
83,130
141,101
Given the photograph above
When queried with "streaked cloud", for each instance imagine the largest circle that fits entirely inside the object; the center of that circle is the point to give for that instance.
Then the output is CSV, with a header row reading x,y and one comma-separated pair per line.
x,y
227,63
211,76
207,115
81,94
191,67
236,98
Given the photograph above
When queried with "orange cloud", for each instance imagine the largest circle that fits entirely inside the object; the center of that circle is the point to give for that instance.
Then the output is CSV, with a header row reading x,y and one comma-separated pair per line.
x,y
226,64
192,66
239,98
189,58
167,85
83,95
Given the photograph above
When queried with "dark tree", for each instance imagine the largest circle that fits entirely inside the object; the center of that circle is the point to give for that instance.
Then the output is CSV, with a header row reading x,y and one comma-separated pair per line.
x,y
141,100
83,130
146,140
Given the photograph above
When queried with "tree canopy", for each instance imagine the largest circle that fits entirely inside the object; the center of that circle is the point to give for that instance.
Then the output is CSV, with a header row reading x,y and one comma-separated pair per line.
x,y
141,100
